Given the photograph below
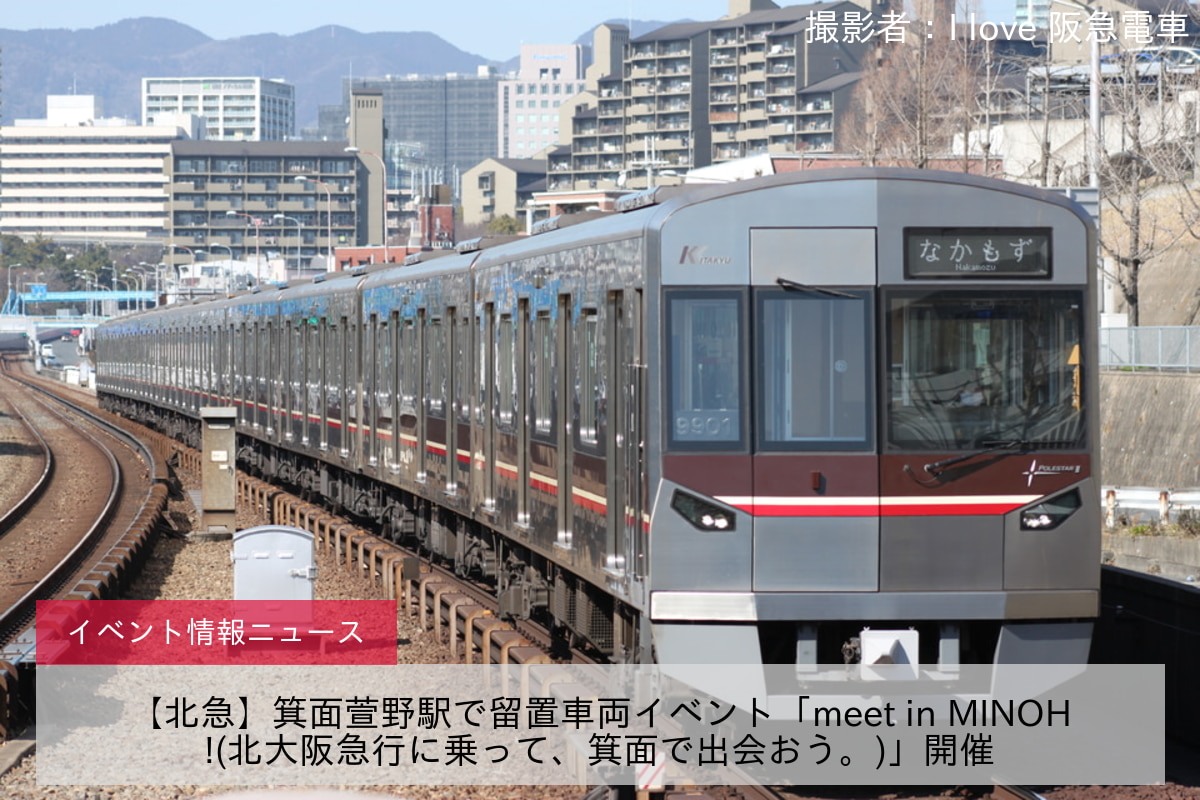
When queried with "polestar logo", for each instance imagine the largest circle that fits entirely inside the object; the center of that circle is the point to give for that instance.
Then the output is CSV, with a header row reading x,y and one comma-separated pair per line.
x,y
1047,469
696,254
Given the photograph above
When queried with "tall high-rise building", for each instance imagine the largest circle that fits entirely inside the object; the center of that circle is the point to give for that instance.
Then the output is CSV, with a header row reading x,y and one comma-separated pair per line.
x,y
235,109
453,118
529,103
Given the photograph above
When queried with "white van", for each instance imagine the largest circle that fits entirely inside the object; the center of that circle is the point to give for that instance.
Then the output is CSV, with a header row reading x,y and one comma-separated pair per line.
x,y
47,351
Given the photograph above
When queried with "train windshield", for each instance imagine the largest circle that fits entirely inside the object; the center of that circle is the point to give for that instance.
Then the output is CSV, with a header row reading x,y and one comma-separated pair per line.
x,y
813,370
978,369
706,372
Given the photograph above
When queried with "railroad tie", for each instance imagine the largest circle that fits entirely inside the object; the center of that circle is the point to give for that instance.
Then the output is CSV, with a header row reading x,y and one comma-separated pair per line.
x,y
440,598
473,613
421,604
461,606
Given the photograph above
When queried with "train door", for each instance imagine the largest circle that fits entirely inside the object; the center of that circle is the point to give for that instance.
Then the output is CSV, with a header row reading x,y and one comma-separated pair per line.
x,y
462,405
624,436
436,435
372,336
219,364
421,353
391,444
543,506
313,418
350,374
485,411
562,413
504,455
243,379
275,369
634,414
334,381
522,388
288,354
295,420
449,394
259,376
206,370
813,393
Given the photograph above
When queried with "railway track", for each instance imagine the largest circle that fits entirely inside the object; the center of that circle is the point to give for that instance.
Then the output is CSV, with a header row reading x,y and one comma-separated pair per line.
x,y
79,530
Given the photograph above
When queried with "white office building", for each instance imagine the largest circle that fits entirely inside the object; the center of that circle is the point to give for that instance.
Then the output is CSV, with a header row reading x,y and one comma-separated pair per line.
x,y
234,109
549,74
76,176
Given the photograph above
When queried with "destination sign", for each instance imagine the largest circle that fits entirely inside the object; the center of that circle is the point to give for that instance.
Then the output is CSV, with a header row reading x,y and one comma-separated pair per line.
x,y
977,253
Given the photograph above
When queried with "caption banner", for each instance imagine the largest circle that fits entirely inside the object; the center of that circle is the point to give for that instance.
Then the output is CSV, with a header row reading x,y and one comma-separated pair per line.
x,y
501,725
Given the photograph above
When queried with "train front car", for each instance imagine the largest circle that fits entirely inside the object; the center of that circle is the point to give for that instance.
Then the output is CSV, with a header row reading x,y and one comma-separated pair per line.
x,y
877,422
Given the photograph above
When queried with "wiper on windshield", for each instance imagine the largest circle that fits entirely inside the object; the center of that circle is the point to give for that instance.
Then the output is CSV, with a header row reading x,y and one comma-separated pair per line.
x,y
938,467
804,287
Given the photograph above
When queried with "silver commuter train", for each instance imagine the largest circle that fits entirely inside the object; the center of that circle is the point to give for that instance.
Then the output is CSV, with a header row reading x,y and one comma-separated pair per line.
x,y
820,417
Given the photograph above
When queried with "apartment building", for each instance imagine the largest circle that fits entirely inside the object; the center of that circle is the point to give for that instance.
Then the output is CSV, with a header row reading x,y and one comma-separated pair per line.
x,y
76,176
234,109
498,187
528,104
264,201
697,93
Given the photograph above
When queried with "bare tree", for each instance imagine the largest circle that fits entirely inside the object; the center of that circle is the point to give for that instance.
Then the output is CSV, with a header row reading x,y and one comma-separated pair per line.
x,y
1147,171
915,98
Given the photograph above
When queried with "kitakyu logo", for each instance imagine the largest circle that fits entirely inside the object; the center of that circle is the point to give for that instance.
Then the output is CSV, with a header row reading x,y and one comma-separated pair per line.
x,y
698,254
1036,469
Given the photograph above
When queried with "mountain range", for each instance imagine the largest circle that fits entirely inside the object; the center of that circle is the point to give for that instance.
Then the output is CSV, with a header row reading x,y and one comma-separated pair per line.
x,y
109,61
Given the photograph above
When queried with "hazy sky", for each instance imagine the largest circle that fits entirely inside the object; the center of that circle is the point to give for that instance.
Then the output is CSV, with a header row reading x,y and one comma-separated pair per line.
x,y
490,28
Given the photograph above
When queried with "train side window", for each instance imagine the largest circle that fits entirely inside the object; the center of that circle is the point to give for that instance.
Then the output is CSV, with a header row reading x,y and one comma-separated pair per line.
x,y
435,392
543,374
705,372
462,372
408,368
384,380
587,388
814,371
506,366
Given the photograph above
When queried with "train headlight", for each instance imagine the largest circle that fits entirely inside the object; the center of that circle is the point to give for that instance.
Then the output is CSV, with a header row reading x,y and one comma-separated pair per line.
x,y
1049,514
702,514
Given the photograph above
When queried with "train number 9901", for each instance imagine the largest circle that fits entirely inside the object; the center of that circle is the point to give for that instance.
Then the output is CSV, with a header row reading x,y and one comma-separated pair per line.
x,y
711,426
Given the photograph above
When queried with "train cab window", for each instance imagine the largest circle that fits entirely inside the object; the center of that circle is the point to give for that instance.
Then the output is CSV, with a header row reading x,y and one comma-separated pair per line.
x,y
976,369
706,386
814,370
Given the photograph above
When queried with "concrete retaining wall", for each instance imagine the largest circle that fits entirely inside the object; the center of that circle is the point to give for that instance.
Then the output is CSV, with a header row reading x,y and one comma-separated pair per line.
x,y
1168,556
1150,430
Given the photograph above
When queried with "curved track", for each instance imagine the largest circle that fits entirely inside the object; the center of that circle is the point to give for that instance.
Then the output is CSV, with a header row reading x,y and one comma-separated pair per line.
x,y
53,529
90,499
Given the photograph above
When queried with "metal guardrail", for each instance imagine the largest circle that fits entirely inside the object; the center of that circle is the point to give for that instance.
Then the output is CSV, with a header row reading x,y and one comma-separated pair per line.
x,y
1161,349
1135,504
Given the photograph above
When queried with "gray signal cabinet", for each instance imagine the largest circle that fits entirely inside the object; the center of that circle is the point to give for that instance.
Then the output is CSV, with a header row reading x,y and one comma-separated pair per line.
x,y
218,471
